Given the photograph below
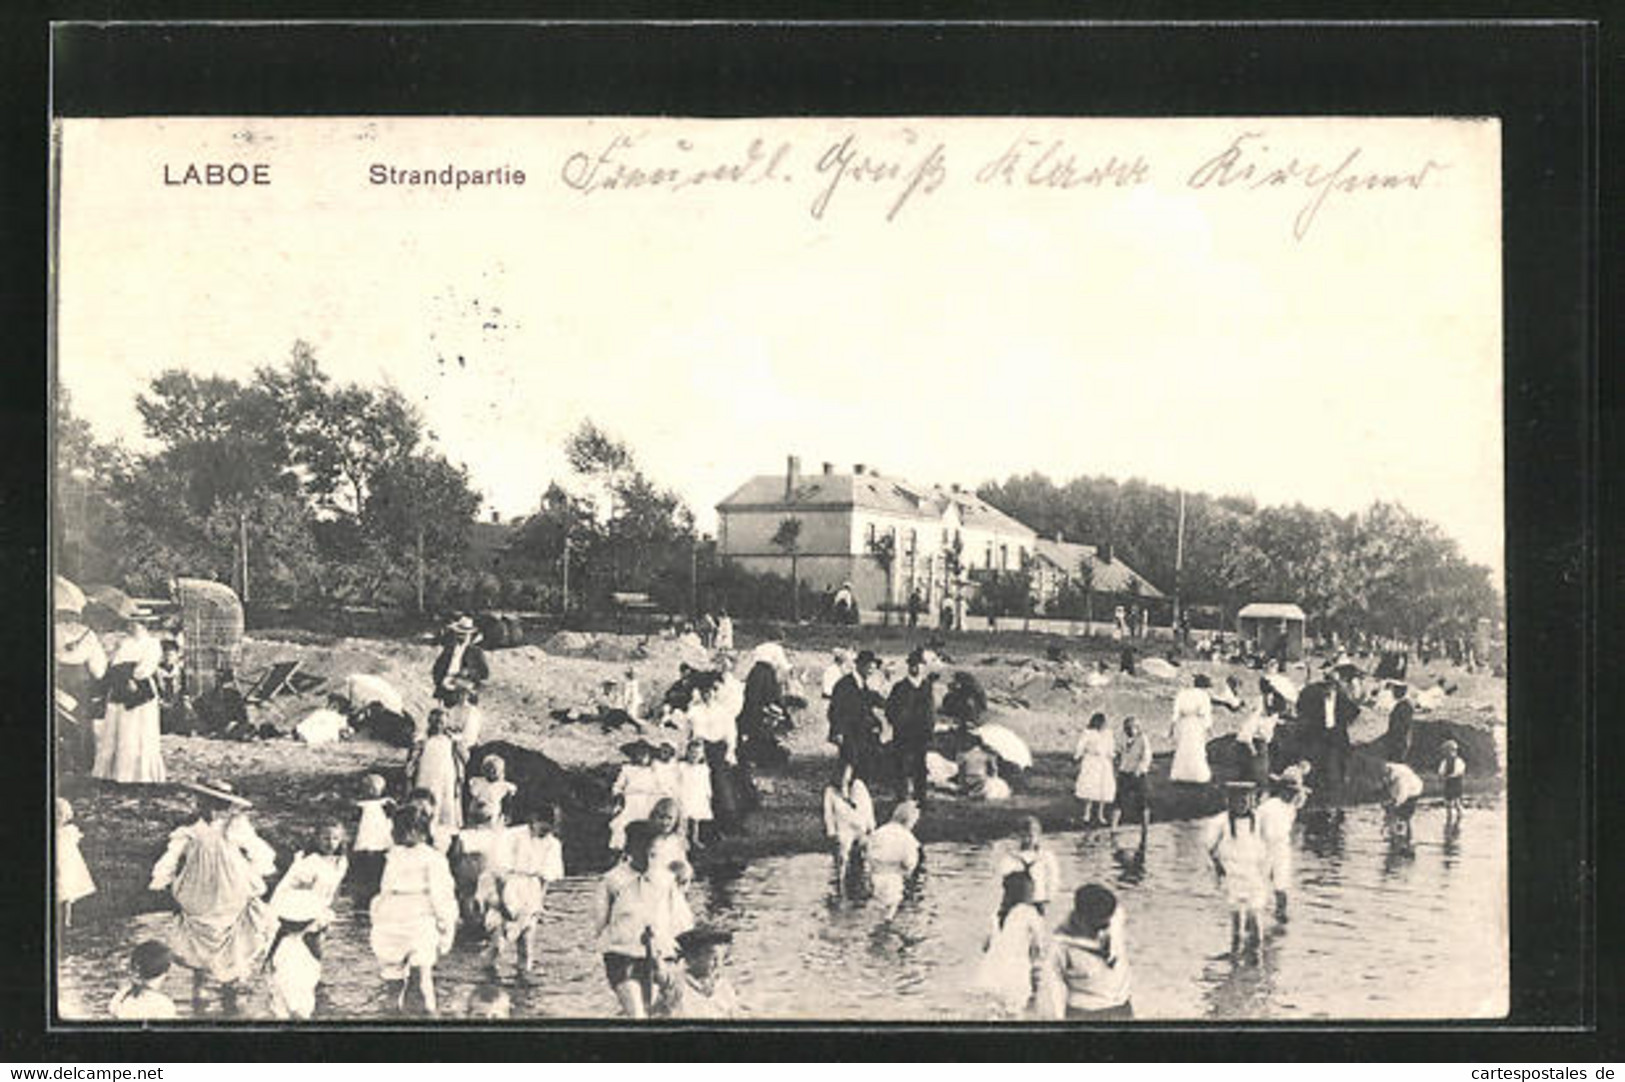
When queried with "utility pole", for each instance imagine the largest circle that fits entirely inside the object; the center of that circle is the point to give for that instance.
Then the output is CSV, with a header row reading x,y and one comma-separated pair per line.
x,y
242,553
1179,559
420,567
694,577
565,610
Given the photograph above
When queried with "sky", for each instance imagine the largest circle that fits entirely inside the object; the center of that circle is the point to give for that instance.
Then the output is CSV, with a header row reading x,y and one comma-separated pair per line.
x,y
888,292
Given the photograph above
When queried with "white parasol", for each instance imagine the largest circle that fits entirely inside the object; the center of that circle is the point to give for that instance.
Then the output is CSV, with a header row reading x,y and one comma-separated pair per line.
x,y
363,689
1284,687
68,597
1006,745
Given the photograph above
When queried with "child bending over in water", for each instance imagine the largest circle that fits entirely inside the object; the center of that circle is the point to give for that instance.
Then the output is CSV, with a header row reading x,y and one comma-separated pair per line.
x,y
894,854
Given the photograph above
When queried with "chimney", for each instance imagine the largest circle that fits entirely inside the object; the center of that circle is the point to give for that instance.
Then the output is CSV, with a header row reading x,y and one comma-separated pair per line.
x,y
1106,554
954,487
1060,537
829,469
792,476
496,517
858,469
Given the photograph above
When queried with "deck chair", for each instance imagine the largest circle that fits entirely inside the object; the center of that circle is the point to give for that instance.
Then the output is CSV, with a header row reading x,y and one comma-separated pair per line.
x,y
303,683
276,681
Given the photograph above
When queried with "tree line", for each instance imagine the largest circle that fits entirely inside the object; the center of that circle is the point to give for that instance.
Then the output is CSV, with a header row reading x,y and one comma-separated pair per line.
x,y
1381,571
300,490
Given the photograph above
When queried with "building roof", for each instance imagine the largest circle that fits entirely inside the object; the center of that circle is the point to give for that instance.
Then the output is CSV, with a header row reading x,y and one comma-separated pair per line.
x,y
1271,610
1111,576
871,491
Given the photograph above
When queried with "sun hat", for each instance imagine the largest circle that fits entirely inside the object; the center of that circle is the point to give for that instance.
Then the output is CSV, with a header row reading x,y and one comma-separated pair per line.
x,y
151,960
634,747
217,790
463,625
701,936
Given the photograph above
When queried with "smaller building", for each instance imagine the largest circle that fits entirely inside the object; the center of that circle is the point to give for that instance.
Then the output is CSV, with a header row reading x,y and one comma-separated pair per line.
x,y
1273,628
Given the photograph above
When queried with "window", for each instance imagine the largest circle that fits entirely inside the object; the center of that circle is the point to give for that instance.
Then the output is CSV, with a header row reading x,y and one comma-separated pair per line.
x,y
987,557
1004,557
869,534
913,541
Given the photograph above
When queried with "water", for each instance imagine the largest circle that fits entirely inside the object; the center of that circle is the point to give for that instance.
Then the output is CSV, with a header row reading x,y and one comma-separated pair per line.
x,y
1375,932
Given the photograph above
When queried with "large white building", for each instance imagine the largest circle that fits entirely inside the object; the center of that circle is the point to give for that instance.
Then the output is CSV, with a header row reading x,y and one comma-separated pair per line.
x,y
848,520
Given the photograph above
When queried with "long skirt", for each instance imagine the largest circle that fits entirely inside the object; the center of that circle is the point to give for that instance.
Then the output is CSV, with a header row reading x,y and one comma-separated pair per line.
x,y
227,944
127,746
1190,752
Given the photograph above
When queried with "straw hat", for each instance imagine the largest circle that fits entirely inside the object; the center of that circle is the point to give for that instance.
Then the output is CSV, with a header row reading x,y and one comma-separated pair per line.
x,y
701,936
463,625
217,790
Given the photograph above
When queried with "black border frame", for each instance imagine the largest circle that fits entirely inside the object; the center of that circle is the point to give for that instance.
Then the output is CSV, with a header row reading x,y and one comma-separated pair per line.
x,y
1540,78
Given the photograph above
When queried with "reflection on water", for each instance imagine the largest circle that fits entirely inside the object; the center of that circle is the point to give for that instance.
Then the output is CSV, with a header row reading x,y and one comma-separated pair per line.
x,y
1377,929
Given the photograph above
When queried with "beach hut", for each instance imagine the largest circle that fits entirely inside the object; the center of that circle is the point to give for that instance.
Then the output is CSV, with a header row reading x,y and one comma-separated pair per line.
x,y
1273,627
212,621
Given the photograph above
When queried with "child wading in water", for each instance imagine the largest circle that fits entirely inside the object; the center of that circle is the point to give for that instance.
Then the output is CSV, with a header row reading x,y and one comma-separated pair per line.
x,y
414,916
295,957
1091,959
894,854
702,991
1452,769
636,789
1275,817
1032,857
373,836
142,999
849,819
1401,790
1240,861
514,892
694,791
320,871
436,768
640,914
73,880
1012,969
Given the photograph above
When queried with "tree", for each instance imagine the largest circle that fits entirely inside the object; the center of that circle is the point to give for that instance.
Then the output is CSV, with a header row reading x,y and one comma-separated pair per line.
x,y
419,509
787,538
339,436
883,549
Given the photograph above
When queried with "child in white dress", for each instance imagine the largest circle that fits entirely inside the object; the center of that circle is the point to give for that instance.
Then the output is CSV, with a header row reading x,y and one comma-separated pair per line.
x,y
636,789
1097,781
372,836
514,892
320,872
849,819
295,957
488,792
72,873
694,790
1013,961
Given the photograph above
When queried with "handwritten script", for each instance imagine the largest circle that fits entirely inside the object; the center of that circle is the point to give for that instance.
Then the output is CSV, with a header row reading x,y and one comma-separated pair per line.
x,y
904,167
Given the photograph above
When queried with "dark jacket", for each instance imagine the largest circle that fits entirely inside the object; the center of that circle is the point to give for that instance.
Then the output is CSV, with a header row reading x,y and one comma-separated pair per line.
x,y
911,713
851,719
474,667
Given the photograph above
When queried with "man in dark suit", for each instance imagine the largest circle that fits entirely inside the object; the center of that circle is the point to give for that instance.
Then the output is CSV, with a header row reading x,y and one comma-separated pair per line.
x,y
912,715
853,724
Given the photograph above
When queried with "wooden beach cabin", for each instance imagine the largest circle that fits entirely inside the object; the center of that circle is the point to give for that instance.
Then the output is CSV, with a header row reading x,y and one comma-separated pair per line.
x,y
1273,627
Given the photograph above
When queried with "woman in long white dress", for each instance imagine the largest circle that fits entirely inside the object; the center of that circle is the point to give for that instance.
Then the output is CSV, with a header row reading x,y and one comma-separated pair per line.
x,y
128,749
1193,720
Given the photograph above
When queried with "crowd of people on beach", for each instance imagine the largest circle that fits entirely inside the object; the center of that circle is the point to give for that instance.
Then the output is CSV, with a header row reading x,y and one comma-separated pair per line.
x,y
459,853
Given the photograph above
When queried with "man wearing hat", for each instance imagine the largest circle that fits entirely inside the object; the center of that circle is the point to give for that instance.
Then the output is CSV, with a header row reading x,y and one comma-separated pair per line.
x,y
853,724
215,869
461,663
912,713
1397,740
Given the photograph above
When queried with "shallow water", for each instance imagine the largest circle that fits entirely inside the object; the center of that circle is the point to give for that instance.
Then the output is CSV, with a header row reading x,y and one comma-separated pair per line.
x,y
1375,931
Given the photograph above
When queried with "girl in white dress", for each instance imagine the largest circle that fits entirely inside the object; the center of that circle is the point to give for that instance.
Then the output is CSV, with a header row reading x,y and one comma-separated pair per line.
x,y
128,751
1193,720
849,819
636,789
414,916
694,791
72,873
894,855
1013,962
1241,860
1097,782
